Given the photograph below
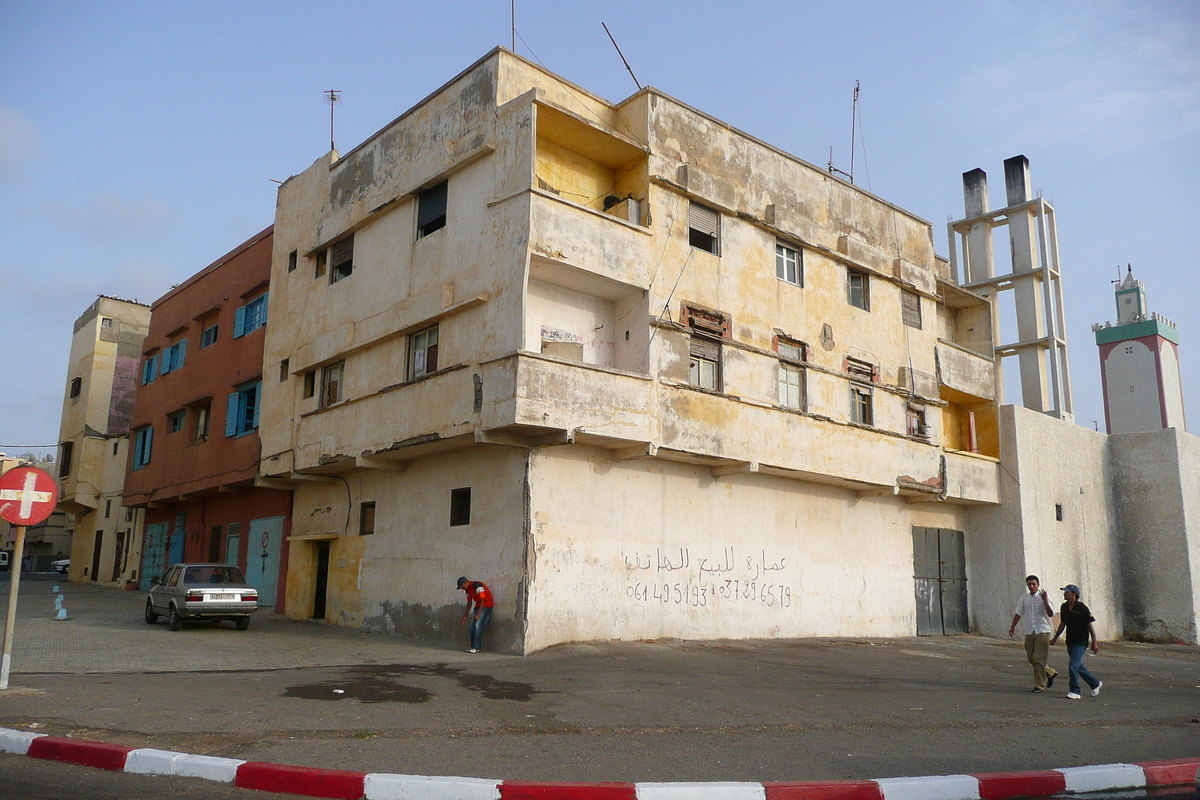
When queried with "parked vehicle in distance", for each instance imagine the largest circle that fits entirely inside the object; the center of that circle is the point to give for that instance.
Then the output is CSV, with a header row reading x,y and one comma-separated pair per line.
x,y
61,566
207,592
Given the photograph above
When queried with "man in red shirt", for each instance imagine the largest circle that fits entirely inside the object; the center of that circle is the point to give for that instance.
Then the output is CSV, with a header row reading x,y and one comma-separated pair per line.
x,y
481,596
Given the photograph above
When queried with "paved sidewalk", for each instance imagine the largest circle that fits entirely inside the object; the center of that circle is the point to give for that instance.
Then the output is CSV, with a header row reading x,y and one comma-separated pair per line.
x,y
315,695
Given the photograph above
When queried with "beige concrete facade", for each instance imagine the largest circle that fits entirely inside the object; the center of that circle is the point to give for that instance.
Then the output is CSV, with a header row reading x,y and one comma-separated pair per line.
x,y
106,350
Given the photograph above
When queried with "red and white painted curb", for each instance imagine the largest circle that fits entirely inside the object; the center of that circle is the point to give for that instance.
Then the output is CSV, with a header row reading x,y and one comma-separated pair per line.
x,y
348,785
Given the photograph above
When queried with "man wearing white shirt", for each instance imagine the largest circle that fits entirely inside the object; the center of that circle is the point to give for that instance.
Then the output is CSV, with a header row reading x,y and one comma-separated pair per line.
x,y
1034,608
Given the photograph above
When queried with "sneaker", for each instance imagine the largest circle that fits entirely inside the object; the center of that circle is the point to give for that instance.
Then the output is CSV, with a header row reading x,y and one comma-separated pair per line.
x,y
472,650
1036,690
1072,696
1096,690
1050,679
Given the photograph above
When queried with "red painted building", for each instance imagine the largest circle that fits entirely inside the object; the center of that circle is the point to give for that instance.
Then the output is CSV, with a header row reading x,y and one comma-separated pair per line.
x,y
194,444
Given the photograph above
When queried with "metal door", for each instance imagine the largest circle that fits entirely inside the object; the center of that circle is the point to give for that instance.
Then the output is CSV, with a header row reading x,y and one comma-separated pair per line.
x,y
232,544
154,553
262,557
940,581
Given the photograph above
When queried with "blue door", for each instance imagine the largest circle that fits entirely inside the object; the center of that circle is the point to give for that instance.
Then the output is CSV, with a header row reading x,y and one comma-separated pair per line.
x,y
178,537
262,557
154,553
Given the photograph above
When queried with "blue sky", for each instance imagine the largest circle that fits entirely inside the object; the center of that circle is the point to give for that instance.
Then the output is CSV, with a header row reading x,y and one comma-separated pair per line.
x,y
138,140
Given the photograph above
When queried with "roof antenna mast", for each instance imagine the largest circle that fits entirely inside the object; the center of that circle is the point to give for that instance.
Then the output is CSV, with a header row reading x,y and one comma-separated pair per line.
x,y
333,96
853,122
622,55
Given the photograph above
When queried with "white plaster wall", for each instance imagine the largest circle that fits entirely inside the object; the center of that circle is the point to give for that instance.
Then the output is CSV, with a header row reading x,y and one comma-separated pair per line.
x,y
1172,385
589,319
652,548
1131,385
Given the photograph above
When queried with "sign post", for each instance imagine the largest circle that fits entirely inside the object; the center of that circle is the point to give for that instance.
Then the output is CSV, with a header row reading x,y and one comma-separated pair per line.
x,y
28,495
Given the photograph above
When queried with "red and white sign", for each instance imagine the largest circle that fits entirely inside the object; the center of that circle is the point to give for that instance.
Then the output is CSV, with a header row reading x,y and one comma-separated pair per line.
x,y
27,495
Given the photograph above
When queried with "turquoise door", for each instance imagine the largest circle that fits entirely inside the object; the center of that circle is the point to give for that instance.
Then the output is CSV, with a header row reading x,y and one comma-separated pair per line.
x,y
232,543
262,557
154,553
178,537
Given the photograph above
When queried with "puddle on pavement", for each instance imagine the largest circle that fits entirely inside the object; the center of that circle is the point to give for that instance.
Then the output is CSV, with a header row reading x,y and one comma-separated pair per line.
x,y
381,683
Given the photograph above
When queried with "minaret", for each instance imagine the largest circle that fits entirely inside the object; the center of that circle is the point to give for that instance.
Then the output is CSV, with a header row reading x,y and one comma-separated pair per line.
x,y
1139,365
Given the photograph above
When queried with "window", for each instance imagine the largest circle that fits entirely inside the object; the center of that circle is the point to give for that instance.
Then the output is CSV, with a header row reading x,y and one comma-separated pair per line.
x,y
791,386
175,421
150,369
241,415
916,422
76,386
910,309
283,369
860,405
332,378
341,259
704,368
107,509
208,336
704,227
1058,512
366,519
64,459
861,370
310,383
251,316
322,259
174,356
293,257
422,352
200,418
460,507
116,446
858,289
143,441
431,210
106,322
789,265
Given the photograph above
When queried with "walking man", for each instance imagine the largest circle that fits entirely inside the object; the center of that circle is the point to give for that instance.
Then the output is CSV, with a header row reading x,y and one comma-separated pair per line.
x,y
1034,608
1077,619
481,596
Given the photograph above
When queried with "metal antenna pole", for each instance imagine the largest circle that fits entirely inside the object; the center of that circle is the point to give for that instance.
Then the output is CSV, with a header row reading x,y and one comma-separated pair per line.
x,y
853,122
514,25
622,55
332,96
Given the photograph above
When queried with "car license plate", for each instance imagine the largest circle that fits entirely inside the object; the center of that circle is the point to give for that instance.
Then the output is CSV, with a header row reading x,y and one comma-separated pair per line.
x,y
222,597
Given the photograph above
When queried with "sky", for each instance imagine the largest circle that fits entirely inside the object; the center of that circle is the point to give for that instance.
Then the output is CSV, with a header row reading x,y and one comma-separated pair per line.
x,y
139,141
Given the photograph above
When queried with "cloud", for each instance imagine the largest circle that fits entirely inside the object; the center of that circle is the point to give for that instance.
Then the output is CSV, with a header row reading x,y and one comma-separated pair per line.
x,y
113,219
20,142
1103,79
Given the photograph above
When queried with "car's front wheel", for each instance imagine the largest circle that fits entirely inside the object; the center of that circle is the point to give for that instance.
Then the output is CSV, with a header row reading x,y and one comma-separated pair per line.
x,y
243,623
151,617
174,621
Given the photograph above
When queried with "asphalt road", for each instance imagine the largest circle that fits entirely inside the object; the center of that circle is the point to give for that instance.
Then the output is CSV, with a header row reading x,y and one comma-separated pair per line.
x,y
316,695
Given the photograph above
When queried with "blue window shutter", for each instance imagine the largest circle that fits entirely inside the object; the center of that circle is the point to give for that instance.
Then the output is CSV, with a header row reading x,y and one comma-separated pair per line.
x,y
262,314
257,399
239,322
146,370
168,360
231,414
138,438
149,444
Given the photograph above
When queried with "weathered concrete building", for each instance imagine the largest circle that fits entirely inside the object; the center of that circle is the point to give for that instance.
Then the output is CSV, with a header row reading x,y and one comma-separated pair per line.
x,y
94,442
194,456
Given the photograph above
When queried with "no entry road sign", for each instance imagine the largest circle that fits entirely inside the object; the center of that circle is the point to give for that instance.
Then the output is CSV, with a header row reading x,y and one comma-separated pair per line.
x,y
27,495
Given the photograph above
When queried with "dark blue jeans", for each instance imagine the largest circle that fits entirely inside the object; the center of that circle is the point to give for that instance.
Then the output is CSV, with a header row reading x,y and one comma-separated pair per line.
x,y
477,625
1076,669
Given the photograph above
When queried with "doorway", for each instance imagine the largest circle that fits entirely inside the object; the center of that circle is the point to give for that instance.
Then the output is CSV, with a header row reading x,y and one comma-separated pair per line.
x,y
96,547
322,580
940,578
262,557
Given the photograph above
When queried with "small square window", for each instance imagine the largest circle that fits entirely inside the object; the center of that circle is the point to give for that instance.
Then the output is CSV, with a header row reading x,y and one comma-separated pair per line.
x,y
916,426
332,378
76,386
293,258
208,336
704,228
860,405
310,383
460,507
283,369
910,309
175,421
1058,512
366,519
106,322
858,289
789,265
422,353
431,209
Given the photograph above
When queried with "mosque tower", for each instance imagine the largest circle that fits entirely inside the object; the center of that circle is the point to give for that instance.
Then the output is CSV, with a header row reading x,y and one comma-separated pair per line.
x,y
1139,365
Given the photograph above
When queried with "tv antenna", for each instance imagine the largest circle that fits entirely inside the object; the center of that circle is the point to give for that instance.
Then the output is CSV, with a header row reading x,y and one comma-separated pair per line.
x,y
333,97
622,55
834,170
513,17
853,122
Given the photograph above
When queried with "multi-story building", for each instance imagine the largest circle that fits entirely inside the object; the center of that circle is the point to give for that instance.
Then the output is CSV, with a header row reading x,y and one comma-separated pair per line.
x,y
1139,365
194,450
94,440
643,373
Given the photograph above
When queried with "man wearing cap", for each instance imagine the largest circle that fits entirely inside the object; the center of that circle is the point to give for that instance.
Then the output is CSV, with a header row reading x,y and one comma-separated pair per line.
x,y
1077,619
481,596
1034,608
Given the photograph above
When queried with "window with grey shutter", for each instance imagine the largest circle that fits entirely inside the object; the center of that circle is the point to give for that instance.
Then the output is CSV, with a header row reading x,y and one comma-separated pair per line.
x,y
704,228
704,369
431,209
341,260
910,309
